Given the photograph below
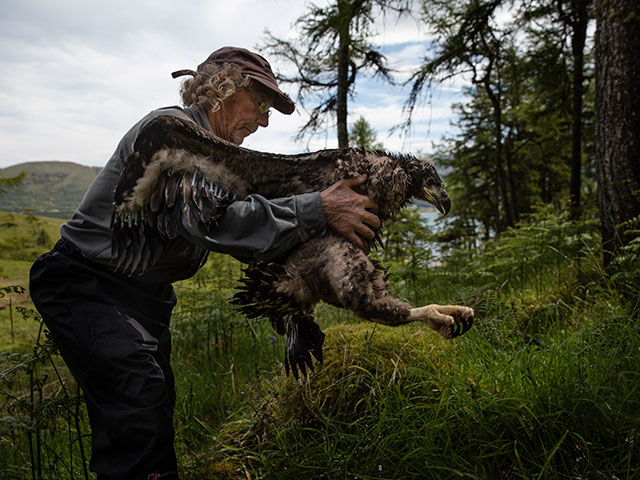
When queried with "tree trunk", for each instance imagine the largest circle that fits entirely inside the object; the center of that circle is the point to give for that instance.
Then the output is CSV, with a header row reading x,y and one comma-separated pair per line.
x,y
617,118
345,16
579,21
508,160
497,124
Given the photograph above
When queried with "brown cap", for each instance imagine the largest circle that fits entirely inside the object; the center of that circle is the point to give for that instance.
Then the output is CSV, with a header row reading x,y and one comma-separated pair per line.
x,y
253,66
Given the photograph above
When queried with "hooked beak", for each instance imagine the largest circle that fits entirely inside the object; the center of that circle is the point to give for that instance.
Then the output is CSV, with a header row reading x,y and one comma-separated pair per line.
x,y
440,199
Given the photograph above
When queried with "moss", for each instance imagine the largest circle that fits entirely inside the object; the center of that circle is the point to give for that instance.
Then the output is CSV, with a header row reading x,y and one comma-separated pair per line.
x,y
363,363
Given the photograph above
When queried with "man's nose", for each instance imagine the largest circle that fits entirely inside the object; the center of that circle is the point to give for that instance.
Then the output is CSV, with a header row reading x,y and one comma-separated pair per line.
x,y
263,119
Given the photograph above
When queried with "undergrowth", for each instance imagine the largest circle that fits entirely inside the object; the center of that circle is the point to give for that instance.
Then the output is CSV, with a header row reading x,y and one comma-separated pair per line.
x,y
544,386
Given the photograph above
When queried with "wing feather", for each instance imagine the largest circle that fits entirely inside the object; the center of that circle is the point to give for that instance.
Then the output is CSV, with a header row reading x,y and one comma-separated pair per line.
x,y
174,176
157,195
171,190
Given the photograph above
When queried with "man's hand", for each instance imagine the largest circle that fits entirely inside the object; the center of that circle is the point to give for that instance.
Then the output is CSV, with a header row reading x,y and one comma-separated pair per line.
x,y
347,212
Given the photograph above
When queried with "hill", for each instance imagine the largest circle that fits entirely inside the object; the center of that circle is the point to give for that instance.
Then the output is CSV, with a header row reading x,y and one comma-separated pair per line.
x,y
53,189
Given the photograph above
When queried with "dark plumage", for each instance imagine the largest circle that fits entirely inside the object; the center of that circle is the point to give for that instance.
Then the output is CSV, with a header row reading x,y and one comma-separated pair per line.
x,y
180,170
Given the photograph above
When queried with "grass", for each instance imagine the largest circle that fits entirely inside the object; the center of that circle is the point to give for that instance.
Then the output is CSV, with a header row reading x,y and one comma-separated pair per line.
x,y
401,403
22,238
545,386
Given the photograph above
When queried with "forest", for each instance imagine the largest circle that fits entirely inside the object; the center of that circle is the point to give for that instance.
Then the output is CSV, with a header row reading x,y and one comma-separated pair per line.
x,y
543,242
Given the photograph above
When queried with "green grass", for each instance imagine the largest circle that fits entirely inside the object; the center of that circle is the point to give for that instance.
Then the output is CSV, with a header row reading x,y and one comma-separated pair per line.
x,y
401,403
545,385
22,238
14,331
48,188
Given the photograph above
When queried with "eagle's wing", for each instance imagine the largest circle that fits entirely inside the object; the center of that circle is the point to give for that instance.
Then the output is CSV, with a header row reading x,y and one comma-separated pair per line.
x,y
176,174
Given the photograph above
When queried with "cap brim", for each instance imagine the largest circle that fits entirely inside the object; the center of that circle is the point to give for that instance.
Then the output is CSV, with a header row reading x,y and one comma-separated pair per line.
x,y
281,101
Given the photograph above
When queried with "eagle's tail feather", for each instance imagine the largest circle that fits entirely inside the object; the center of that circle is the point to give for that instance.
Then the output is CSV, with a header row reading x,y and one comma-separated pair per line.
x,y
258,295
304,338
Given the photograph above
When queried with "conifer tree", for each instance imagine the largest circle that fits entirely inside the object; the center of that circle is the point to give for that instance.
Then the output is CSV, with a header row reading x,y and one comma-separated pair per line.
x,y
470,41
332,48
362,135
617,119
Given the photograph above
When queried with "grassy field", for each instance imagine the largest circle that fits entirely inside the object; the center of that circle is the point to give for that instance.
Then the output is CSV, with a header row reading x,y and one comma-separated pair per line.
x,y
22,238
546,385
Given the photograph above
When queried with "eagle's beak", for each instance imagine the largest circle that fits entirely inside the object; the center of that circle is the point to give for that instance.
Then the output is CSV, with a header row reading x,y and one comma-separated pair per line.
x,y
440,199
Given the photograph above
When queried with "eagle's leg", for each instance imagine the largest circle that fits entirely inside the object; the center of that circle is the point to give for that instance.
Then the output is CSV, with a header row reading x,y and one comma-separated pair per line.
x,y
450,321
351,280
358,284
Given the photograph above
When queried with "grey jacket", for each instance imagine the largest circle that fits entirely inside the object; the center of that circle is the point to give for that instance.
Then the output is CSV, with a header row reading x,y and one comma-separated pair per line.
x,y
250,228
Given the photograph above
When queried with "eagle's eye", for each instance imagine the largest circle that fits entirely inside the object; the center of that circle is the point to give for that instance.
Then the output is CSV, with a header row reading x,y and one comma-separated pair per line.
x,y
430,182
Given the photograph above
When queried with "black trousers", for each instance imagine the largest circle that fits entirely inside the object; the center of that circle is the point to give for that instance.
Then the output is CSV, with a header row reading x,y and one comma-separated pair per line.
x,y
113,333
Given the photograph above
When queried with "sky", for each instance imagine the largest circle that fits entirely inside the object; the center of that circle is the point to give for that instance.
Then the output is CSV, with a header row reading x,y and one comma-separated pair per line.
x,y
77,74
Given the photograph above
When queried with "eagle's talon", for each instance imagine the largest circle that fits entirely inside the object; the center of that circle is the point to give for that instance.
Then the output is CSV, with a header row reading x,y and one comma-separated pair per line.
x,y
455,330
439,318
462,326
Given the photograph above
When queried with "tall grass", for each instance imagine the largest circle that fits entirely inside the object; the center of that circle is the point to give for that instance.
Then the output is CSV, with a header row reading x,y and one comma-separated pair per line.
x,y
43,424
409,406
544,386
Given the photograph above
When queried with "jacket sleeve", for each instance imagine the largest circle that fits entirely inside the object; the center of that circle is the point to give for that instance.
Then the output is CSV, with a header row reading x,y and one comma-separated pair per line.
x,y
262,229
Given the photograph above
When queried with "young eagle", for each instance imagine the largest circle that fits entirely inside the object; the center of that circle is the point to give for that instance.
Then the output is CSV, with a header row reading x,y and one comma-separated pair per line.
x,y
180,172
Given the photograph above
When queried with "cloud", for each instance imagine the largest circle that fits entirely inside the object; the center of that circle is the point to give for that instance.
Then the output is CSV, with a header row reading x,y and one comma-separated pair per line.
x,y
78,74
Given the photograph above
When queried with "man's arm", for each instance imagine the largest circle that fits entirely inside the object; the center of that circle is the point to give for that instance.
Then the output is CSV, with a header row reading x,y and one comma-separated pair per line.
x,y
266,229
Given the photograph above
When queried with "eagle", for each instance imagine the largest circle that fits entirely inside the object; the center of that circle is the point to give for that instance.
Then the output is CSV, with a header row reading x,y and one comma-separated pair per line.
x,y
180,172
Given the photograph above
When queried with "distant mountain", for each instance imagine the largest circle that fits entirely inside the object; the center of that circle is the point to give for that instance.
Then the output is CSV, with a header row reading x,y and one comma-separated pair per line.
x,y
53,189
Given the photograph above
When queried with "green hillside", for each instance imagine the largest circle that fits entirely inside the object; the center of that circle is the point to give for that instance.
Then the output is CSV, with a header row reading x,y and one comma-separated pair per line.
x,y
52,189
22,239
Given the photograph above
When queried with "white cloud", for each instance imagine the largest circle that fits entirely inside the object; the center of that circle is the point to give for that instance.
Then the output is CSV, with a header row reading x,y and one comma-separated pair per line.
x,y
78,73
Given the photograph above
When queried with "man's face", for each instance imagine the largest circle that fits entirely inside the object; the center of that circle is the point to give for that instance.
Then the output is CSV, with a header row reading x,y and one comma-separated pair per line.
x,y
241,115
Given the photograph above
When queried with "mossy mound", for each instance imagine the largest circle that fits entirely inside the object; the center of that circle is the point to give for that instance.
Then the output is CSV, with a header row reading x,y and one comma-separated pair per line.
x,y
364,362
366,367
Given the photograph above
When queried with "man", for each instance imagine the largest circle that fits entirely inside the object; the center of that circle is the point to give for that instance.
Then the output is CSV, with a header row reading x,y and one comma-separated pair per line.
x,y
112,329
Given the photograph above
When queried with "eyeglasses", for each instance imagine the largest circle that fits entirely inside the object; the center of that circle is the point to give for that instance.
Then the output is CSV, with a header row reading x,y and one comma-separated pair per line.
x,y
263,106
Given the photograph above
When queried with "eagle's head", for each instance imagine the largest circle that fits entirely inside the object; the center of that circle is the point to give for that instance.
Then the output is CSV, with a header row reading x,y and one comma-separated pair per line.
x,y
426,184
394,179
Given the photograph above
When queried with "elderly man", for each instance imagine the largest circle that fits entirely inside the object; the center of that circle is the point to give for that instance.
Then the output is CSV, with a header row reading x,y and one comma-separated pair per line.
x,y
112,329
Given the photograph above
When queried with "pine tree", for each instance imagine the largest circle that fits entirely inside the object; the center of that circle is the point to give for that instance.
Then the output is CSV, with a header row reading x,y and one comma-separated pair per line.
x,y
617,119
332,48
362,135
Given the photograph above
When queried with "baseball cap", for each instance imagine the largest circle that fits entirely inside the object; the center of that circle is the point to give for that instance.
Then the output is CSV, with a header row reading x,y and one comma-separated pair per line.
x,y
253,66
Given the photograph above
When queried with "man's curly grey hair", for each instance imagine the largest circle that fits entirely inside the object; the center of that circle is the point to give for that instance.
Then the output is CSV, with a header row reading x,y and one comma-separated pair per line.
x,y
212,85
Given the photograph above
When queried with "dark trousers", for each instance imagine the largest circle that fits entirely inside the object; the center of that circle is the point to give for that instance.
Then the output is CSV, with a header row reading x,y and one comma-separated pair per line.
x,y
113,333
